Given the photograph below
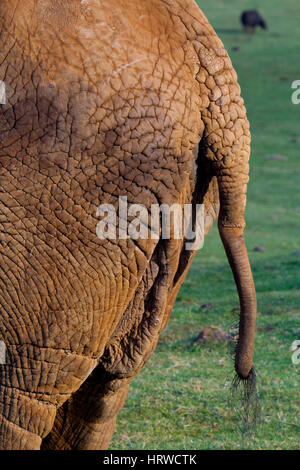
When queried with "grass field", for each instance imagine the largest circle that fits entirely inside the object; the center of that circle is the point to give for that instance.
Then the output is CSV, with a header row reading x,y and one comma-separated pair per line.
x,y
181,400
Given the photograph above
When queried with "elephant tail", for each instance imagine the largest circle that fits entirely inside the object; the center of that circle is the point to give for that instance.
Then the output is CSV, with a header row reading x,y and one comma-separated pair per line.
x,y
234,244
244,390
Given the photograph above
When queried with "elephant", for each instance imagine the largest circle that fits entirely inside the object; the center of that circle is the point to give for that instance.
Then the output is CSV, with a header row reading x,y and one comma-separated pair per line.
x,y
102,100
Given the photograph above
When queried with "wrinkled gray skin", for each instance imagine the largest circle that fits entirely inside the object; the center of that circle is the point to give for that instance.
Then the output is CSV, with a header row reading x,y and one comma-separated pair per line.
x,y
104,99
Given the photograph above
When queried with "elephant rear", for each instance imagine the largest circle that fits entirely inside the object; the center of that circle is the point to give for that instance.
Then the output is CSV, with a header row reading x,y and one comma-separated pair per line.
x,y
106,100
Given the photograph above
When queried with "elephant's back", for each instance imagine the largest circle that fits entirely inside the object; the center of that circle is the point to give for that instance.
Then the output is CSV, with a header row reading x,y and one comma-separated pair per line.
x,y
94,94
100,103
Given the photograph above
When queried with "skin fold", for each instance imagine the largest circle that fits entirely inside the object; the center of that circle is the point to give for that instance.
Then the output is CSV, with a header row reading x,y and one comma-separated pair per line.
x,y
105,99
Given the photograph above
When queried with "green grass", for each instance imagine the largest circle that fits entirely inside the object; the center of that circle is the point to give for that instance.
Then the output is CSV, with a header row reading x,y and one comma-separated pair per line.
x,y
180,400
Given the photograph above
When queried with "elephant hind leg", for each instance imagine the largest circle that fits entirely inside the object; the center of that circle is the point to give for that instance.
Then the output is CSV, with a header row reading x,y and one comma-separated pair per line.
x,y
24,420
87,420
13,437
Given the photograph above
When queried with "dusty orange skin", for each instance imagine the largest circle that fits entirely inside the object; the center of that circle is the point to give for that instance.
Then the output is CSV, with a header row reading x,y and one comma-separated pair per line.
x,y
105,99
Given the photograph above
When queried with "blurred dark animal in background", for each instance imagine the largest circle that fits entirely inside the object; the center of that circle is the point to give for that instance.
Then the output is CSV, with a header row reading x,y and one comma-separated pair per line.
x,y
250,19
